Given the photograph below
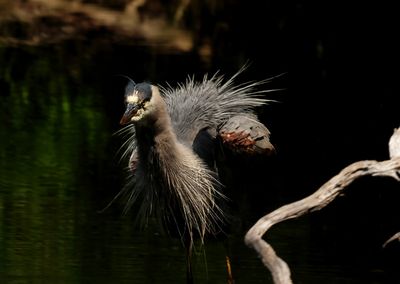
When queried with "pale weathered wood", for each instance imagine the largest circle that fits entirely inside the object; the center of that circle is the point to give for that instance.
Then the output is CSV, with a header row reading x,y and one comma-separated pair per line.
x,y
394,144
322,197
394,237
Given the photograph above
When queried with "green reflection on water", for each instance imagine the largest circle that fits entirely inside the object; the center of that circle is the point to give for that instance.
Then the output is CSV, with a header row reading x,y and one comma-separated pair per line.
x,y
51,140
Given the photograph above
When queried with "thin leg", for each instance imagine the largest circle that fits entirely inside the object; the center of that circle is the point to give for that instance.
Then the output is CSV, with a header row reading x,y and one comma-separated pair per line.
x,y
189,271
230,279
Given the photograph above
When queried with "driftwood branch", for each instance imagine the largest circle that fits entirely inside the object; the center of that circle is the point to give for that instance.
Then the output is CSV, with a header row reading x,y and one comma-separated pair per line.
x,y
393,238
322,197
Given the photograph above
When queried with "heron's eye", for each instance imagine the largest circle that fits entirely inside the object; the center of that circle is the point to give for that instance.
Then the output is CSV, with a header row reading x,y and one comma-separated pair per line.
x,y
144,101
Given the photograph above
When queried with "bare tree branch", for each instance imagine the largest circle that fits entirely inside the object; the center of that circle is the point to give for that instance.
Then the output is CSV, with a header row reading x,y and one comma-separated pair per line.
x,y
394,144
394,237
316,201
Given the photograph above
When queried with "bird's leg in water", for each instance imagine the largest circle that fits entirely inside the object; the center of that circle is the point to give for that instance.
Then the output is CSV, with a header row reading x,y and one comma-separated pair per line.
x,y
229,279
229,270
189,251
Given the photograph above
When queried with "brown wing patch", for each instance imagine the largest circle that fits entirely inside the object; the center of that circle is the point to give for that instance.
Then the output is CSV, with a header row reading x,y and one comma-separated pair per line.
x,y
238,141
246,135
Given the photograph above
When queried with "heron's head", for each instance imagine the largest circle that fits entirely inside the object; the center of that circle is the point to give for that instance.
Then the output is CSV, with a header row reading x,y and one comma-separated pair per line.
x,y
139,103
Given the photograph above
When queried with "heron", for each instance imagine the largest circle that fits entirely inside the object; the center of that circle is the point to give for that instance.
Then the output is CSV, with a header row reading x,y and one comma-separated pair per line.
x,y
171,139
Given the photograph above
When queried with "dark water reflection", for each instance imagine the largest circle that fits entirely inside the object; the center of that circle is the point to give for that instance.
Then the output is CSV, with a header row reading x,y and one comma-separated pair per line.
x,y
59,108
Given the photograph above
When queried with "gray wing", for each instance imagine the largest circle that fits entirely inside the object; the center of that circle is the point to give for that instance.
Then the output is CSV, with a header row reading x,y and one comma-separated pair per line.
x,y
245,134
195,106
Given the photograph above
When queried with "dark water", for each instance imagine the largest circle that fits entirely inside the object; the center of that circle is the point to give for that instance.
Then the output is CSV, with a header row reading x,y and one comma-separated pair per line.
x,y
59,166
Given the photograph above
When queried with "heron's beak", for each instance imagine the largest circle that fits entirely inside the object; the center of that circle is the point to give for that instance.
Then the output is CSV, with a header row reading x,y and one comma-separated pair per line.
x,y
130,111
